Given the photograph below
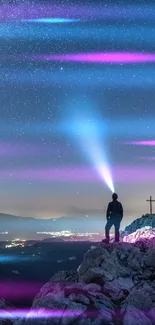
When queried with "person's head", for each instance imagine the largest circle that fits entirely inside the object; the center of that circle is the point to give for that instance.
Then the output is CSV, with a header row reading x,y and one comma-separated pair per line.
x,y
114,196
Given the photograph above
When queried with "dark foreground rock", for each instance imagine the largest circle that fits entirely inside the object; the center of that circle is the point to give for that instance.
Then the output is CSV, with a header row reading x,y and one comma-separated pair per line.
x,y
115,284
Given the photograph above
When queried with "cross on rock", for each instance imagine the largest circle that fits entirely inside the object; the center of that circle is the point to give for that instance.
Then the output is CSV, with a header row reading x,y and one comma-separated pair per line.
x,y
150,200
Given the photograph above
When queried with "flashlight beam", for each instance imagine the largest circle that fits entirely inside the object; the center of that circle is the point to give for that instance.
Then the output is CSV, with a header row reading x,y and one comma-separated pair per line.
x,y
90,142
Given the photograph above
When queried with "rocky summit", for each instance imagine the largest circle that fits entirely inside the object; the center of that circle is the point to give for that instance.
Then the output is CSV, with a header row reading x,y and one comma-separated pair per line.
x,y
147,220
115,284
144,234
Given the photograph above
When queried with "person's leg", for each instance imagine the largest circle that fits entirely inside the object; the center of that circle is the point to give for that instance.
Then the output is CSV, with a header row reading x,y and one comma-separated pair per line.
x,y
107,228
117,227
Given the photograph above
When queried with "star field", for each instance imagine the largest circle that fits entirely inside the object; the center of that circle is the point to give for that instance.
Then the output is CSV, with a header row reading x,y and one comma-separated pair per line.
x,y
52,67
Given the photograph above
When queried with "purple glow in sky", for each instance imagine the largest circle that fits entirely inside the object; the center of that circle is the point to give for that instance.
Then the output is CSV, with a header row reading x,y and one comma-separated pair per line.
x,y
141,143
96,11
14,149
109,57
148,158
122,174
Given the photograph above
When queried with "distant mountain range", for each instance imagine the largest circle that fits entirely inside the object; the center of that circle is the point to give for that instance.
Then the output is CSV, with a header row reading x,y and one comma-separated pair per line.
x,y
26,226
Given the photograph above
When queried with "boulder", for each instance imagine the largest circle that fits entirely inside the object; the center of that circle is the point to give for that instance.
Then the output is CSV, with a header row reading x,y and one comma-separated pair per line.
x,y
114,284
108,267
123,283
151,315
149,259
136,317
113,291
79,298
96,274
139,299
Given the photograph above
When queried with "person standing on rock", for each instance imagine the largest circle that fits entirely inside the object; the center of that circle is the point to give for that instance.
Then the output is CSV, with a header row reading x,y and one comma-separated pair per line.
x,y
114,217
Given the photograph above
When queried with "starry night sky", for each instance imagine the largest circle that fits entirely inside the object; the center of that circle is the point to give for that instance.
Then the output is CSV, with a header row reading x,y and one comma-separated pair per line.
x,y
44,171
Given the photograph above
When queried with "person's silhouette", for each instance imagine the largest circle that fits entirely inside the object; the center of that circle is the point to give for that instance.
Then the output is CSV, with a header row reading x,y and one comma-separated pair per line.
x,y
114,217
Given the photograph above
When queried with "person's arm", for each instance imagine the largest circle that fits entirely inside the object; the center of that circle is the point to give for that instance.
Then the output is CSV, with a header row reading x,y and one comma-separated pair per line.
x,y
108,211
121,211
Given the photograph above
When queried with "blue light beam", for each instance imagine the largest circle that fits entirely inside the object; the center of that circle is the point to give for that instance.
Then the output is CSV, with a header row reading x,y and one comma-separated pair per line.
x,y
16,258
88,137
51,20
90,142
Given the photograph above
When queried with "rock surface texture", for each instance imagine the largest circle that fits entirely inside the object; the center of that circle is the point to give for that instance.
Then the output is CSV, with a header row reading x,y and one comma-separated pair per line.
x,y
147,220
140,234
115,284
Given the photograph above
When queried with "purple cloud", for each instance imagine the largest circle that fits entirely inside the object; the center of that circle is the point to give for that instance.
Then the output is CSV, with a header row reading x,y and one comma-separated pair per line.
x,y
107,57
8,149
30,11
140,143
120,174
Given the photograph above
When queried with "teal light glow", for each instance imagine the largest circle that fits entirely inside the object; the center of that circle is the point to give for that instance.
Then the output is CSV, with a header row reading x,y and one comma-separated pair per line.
x,y
51,20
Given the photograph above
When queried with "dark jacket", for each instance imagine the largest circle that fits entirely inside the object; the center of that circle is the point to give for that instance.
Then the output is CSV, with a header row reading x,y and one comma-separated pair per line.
x,y
114,210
